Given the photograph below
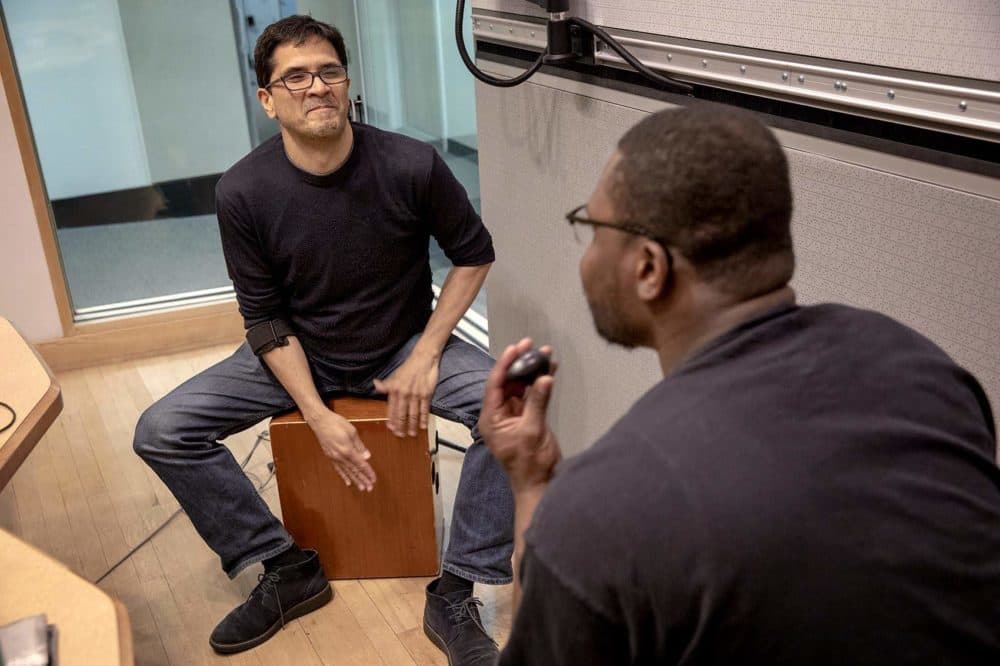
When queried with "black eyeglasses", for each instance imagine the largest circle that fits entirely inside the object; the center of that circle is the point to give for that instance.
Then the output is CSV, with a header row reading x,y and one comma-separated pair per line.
x,y
299,81
574,218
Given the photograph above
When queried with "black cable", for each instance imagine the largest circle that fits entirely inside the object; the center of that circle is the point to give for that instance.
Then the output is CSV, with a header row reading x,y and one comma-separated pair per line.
x,y
471,66
441,441
263,436
13,416
601,34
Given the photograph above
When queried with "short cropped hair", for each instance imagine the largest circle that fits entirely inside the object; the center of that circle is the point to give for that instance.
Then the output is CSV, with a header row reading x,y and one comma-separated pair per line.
x,y
712,182
296,30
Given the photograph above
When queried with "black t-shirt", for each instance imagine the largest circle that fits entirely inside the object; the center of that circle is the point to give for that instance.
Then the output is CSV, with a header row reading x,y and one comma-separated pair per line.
x,y
815,487
343,257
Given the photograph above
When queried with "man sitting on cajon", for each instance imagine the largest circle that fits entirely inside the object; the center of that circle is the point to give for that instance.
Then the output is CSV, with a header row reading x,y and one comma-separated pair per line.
x,y
325,229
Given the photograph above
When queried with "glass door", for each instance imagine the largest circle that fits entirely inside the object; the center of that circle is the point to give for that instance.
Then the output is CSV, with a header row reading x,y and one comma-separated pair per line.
x,y
250,18
136,109
163,100
416,84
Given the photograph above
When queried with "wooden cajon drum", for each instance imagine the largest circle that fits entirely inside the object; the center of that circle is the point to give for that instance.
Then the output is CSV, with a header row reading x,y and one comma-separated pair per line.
x,y
391,532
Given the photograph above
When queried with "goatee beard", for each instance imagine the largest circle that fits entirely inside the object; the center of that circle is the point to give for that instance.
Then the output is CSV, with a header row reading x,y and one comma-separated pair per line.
x,y
327,131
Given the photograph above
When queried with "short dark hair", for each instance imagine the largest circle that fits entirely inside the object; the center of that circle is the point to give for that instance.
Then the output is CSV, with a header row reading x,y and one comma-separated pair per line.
x,y
712,181
295,29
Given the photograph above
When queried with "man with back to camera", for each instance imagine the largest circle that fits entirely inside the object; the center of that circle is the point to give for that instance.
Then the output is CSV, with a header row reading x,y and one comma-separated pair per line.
x,y
325,229
806,485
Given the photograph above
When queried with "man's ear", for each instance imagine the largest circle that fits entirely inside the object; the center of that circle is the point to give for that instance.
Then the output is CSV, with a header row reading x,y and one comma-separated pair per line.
x,y
652,270
267,102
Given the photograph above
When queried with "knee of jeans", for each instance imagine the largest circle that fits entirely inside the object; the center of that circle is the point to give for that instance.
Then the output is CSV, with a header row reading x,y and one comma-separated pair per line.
x,y
157,429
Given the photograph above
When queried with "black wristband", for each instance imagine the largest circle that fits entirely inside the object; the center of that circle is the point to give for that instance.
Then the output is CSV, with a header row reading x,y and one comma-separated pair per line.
x,y
267,335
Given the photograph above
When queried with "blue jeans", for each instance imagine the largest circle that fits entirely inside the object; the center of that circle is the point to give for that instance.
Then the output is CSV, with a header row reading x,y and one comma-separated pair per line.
x,y
178,436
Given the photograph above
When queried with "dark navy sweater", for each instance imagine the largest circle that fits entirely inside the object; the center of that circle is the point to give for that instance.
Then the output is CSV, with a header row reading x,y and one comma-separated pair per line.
x,y
816,486
343,258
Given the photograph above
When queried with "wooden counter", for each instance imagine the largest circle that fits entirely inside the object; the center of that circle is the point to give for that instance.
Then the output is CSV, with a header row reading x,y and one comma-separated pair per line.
x,y
27,385
92,627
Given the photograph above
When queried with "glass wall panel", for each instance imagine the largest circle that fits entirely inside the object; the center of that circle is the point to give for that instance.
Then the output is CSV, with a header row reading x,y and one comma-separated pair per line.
x,y
415,83
137,107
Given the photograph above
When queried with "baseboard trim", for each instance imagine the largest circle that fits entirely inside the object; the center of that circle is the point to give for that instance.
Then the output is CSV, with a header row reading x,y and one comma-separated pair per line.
x,y
142,337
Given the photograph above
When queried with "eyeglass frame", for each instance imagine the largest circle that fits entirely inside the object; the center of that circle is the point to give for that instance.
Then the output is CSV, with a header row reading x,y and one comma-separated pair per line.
x,y
635,229
312,79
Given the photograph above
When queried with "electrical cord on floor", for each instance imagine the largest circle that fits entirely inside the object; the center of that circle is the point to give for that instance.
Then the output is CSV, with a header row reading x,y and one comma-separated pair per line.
x,y
261,437
13,416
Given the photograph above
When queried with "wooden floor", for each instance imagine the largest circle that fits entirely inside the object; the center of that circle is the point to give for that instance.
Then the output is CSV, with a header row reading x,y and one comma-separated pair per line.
x,y
84,497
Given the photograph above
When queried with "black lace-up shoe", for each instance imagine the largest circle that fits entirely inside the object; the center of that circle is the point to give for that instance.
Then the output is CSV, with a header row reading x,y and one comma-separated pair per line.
x,y
281,596
452,623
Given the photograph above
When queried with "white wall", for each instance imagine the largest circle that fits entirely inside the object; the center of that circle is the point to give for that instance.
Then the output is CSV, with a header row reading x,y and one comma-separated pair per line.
x,y
78,89
26,296
186,76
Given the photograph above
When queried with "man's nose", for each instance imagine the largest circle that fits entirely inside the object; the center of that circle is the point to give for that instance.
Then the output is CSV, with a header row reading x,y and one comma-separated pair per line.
x,y
318,87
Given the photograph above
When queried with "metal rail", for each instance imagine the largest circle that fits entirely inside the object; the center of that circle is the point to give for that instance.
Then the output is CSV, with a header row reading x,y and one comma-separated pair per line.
x,y
964,107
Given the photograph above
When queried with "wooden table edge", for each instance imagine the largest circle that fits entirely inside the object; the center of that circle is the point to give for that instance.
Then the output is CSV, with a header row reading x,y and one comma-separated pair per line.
x,y
127,656
37,422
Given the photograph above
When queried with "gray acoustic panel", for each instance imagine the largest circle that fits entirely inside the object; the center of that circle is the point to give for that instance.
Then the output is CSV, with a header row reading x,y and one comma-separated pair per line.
x,y
540,152
957,38
922,253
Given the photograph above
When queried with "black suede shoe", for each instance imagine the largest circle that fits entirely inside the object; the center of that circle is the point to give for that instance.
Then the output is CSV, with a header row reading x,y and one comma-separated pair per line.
x,y
452,623
281,595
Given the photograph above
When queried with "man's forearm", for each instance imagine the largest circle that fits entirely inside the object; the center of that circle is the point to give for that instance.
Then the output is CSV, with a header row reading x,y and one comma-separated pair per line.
x,y
525,503
457,293
337,437
290,366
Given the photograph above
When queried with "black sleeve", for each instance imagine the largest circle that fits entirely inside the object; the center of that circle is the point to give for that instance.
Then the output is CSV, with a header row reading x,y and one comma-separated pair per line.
x,y
257,291
453,221
554,626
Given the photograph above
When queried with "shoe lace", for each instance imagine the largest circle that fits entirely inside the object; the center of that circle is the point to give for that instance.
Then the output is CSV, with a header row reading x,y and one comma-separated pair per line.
x,y
267,583
465,611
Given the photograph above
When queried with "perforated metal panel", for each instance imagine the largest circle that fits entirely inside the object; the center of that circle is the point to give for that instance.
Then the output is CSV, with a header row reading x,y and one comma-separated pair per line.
x,y
957,38
922,253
